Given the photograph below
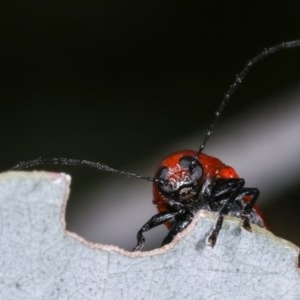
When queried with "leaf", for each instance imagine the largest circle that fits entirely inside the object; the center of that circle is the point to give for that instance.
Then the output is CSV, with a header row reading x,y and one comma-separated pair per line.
x,y
41,260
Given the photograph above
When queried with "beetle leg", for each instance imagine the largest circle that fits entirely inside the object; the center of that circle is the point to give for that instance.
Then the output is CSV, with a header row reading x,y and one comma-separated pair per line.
x,y
181,224
253,192
156,220
234,186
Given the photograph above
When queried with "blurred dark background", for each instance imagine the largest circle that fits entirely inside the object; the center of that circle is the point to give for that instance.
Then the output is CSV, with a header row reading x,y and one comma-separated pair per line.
x,y
117,81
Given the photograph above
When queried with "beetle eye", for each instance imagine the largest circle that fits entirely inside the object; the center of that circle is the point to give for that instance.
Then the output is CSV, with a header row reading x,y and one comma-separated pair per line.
x,y
161,174
193,165
163,182
187,161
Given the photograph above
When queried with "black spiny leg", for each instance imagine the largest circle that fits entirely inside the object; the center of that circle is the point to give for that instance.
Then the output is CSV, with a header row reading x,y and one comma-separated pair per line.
x,y
214,235
254,192
156,220
181,224
224,188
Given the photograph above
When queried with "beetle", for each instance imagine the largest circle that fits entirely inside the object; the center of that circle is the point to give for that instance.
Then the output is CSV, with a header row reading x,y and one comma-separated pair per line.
x,y
190,180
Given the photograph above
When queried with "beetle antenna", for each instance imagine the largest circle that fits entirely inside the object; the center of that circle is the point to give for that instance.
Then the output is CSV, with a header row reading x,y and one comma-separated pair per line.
x,y
77,162
239,78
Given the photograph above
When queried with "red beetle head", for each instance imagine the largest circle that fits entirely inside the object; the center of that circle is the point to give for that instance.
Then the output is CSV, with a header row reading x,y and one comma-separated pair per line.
x,y
179,175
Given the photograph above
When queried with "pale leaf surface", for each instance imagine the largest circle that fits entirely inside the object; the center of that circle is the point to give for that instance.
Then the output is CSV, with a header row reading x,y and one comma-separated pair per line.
x,y
39,259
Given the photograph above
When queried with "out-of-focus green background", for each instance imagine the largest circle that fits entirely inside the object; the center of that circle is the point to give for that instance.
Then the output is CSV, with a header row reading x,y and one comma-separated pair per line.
x,y
118,81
